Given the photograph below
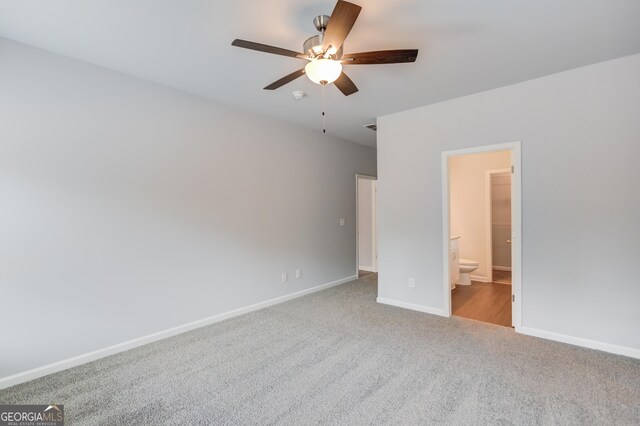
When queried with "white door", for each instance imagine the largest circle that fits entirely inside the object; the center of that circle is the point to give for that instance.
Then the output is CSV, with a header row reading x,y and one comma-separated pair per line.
x,y
501,221
366,208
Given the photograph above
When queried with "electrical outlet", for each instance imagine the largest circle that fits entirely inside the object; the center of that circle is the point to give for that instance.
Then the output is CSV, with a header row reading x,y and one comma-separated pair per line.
x,y
412,282
298,273
285,277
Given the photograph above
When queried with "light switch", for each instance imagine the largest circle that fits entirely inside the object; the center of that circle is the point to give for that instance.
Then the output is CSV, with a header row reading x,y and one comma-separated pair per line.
x,y
341,221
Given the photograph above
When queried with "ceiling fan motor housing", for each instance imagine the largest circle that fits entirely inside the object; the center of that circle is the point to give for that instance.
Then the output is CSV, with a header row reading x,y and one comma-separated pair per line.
x,y
313,47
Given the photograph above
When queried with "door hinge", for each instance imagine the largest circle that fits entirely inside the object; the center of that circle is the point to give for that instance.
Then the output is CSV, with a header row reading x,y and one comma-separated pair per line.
x,y
512,169
513,298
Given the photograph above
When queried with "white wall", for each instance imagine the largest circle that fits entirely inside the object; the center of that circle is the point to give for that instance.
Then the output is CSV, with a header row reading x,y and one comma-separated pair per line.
x,y
468,198
580,136
365,225
127,208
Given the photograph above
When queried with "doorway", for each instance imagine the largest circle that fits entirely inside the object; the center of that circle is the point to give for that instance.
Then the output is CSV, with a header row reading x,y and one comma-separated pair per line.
x,y
472,245
366,229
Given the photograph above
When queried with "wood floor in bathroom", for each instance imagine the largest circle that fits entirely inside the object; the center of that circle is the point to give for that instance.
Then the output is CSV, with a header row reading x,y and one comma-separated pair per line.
x,y
487,302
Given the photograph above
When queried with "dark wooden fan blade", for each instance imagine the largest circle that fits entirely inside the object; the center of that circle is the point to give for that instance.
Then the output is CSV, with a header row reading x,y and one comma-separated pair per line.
x,y
381,57
286,79
265,48
340,23
345,85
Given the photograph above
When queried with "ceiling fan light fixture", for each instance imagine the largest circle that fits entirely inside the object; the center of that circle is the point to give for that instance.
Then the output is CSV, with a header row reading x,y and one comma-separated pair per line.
x,y
323,71
326,60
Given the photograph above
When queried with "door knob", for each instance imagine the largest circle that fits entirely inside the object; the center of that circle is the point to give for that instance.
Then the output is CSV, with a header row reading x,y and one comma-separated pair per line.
x,y
508,241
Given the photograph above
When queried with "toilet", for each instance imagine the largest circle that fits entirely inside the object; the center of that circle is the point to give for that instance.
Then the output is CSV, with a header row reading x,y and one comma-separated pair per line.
x,y
466,268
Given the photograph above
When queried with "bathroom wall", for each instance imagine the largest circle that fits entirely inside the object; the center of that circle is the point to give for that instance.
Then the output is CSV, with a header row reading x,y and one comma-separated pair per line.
x,y
468,210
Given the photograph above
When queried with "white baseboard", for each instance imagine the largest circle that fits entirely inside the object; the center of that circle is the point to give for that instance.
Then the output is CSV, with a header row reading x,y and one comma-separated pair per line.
x,y
36,373
502,268
579,341
367,268
480,278
412,306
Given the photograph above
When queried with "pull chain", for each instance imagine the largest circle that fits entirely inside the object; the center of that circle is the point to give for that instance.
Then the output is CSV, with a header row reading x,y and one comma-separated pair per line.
x,y
324,118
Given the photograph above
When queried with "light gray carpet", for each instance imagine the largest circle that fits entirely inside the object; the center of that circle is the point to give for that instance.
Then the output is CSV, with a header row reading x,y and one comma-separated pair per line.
x,y
337,357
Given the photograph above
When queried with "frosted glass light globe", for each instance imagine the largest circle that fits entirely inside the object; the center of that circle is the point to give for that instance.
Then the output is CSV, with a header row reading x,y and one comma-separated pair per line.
x,y
323,71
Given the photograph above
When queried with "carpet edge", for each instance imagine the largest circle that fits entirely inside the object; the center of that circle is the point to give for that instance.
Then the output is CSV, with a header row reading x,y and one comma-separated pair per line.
x,y
38,372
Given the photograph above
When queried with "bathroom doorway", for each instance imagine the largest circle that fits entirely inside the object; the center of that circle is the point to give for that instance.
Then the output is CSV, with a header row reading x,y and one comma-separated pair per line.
x,y
481,243
366,229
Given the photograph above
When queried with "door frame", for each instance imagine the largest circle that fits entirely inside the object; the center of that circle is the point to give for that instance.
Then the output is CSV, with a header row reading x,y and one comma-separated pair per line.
x,y
489,212
374,235
516,224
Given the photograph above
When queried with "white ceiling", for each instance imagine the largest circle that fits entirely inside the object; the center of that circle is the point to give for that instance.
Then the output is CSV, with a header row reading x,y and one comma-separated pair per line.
x,y
466,46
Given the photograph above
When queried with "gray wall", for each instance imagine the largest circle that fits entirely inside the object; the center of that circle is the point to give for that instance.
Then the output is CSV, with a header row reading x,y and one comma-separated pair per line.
x,y
580,133
127,208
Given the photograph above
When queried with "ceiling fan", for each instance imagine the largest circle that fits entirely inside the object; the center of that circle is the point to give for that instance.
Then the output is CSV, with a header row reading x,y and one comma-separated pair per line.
x,y
325,54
